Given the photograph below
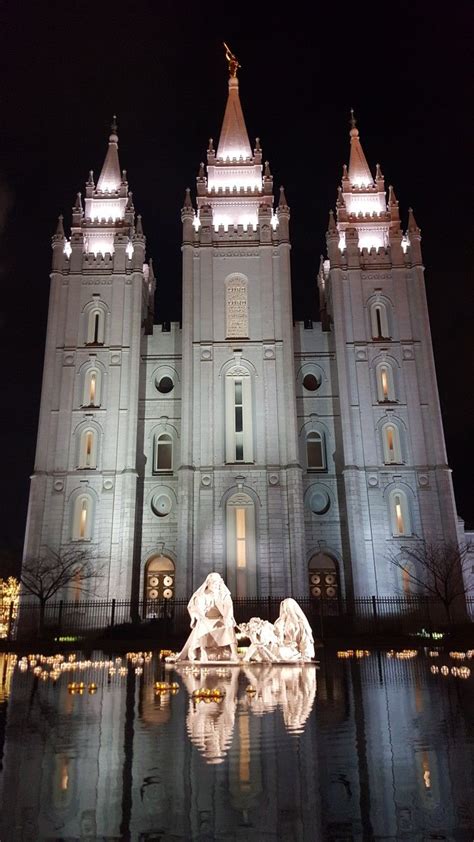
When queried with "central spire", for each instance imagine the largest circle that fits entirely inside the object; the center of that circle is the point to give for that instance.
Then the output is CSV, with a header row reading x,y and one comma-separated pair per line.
x,y
359,172
110,177
234,140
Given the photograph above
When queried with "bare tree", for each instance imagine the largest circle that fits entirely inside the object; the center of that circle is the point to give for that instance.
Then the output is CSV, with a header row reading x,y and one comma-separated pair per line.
x,y
49,574
440,569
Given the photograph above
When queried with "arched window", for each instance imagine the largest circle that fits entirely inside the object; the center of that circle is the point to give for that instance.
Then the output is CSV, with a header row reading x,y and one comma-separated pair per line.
x,y
315,451
92,384
238,427
82,518
392,452
163,459
323,577
379,321
88,449
385,386
159,581
241,545
399,513
96,326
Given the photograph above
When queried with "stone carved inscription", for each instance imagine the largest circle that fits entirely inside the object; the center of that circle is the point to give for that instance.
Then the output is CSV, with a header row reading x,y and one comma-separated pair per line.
x,y
236,306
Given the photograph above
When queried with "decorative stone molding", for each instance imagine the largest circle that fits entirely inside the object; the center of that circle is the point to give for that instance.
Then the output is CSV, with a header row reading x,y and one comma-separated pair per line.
x,y
108,484
58,485
372,480
206,353
273,478
423,480
269,352
407,351
206,480
69,358
115,357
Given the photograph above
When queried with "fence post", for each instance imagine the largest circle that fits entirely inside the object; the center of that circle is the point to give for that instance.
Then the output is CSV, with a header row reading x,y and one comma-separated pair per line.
x,y
10,621
112,617
374,611
60,616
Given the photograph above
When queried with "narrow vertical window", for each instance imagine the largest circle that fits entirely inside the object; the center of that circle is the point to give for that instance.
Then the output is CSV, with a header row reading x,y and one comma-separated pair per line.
x,y
163,452
315,451
95,327
238,417
238,421
391,444
82,518
88,450
399,513
385,387
91,388
89,443
240,537
384,379
379,321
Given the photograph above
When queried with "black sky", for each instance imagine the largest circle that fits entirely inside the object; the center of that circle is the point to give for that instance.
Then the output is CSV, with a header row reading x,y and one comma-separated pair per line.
x,y
67,67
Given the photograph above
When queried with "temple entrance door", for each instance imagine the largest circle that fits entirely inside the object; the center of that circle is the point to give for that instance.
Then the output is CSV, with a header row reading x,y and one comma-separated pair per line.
x,y
159,580
323,577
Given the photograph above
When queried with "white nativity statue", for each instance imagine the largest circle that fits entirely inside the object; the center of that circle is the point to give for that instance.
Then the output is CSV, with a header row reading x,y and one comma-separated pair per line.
x,y
289,639
212,623
213,637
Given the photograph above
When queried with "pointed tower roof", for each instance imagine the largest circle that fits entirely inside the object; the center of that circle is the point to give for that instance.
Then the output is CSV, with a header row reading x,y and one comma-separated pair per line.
x,y
110,177
359,172
234,140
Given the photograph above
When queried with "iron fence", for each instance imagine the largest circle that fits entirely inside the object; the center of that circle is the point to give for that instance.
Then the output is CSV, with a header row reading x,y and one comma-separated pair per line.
x,y
169,618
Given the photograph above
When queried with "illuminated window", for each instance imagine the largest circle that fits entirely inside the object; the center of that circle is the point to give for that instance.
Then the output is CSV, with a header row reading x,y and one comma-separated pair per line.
x,y
379,321
88,449
82,518
239,435
315,451
91,388
385,388
241,572
163,452
95,327
240,537
392,454
400,514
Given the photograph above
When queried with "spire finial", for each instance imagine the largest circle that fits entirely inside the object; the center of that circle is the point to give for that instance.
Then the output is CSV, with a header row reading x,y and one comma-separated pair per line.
x,y
139,226
187,198
210,148
78,204
90,180
232,61
353,120
113,125
332,227
59,233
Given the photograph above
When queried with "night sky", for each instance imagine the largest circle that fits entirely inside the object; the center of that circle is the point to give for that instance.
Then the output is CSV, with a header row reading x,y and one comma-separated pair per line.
x,y
404,67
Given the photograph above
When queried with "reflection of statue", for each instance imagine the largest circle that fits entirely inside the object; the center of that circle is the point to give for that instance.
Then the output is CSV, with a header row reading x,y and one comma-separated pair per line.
x,y
292,688
232,61
289,639
212,622
210,724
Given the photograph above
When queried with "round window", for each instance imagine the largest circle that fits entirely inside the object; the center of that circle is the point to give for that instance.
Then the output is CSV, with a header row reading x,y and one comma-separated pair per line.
x,y
315,579
316,591
164,385
153,594
311,382
161,505
331,591
167,593
167,581
320,502
153,581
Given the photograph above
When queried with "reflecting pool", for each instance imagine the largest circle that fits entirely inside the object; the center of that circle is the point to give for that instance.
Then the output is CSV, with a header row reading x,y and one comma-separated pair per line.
x,y
366,746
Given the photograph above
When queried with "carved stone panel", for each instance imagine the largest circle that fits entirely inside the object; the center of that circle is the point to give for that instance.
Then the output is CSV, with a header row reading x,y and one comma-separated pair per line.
x,y
236,306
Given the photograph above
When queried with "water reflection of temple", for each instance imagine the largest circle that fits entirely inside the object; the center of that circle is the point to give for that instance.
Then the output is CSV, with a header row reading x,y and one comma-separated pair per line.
x,y
381,749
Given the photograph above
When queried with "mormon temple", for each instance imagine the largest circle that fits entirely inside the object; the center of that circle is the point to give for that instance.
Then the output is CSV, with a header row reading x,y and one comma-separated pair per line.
x,y
290,457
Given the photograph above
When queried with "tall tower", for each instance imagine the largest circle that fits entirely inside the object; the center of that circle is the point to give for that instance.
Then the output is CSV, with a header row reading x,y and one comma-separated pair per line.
x,y
240,485
397,482
83,488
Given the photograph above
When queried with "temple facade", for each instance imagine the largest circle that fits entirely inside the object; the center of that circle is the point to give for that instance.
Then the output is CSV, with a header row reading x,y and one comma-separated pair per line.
x,y
290,457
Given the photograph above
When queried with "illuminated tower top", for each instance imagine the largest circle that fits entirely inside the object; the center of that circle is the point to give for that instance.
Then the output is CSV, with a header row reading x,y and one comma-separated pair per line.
x,y
361,201
108,207
236,184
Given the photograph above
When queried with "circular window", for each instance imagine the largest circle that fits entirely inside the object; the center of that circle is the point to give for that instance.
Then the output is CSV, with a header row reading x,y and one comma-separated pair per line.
x,y
320,502
153,594
161,505
164,385
167,593
315,579
153,581
331,591
311,382
167,581
316,591
330,579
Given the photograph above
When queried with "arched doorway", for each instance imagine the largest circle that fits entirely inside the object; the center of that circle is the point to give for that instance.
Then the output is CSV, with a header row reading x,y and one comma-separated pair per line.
x,y
323,577
159,579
